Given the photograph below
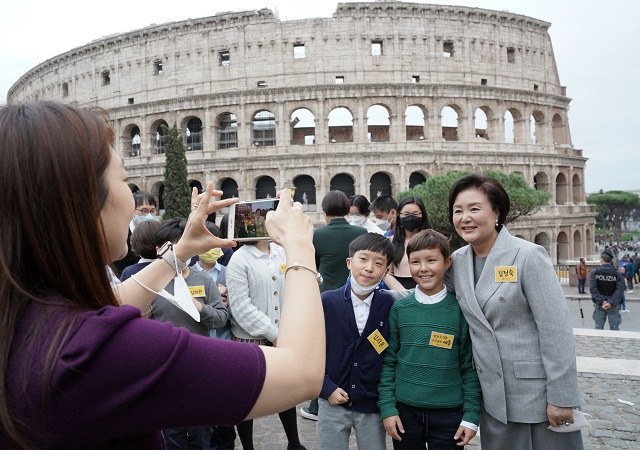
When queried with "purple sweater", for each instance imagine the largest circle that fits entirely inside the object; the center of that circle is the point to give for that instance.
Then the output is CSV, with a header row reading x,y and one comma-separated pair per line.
x,y
120,379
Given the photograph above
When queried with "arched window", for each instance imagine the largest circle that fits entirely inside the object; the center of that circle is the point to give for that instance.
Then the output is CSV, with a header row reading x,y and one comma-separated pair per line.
x,y
577,189
509,135
561,189
135,141
265,187
305,192
415,179
536,124
159,137
558,130
414,123
340,125
227,131
343,182
577,245
194,134
380,185
378,124
195,184
264,129
449,123
303,127
541,182
482,124
229,187
543,240
563,247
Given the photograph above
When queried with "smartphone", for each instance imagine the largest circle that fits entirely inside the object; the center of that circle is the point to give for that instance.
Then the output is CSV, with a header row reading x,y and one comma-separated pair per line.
x,y
247,219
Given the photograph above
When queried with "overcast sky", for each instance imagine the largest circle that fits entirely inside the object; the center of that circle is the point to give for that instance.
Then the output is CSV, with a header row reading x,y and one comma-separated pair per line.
x,y
596,47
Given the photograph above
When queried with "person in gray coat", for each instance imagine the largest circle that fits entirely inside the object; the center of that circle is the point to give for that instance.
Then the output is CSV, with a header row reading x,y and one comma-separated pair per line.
x,y
521,333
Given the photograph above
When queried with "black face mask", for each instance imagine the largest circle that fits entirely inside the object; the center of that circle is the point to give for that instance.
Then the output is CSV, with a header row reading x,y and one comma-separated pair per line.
x,y
411,223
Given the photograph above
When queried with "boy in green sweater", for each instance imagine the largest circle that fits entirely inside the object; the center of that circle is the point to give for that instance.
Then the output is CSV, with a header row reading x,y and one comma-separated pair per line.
x,y
429,392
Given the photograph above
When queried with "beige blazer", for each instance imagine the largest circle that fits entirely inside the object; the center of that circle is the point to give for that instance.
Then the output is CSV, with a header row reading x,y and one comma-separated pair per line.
x,y
523,346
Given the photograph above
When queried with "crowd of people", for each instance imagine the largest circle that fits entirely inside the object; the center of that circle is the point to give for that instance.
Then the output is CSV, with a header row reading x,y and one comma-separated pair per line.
x,y
171,348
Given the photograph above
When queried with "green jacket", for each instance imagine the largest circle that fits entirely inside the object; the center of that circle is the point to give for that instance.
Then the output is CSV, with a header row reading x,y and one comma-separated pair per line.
x,y
332,250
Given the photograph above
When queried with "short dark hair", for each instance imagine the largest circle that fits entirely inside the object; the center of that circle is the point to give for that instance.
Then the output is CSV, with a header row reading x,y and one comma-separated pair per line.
x,y
143,239
170,230
335,203
606,257
372,242
489,186
213,229
428,239
142,197
224,225
398,233
384,203
361,202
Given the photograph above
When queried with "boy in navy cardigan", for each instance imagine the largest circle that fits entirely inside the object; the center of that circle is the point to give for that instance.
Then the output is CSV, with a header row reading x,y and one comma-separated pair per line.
x,y
356,322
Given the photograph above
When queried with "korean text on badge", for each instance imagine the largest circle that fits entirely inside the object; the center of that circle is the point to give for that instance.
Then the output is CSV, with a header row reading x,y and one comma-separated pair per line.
x,y
441,340
196,291
506,274
378,341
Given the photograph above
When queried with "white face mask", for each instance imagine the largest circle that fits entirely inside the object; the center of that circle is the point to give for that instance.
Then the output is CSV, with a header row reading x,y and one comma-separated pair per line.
x,y
362,290
384,225
357,219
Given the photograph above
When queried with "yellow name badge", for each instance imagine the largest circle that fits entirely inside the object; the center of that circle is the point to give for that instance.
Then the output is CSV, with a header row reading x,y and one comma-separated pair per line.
x,y
441,340
378,342
506,274
196,291
283,267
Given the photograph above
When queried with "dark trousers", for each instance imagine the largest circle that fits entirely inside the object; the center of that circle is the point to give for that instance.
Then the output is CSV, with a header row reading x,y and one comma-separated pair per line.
x,y
223,438
433,427
187,438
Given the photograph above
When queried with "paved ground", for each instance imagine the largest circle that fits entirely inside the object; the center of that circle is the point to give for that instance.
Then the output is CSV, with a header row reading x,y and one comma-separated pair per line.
x,y
609,371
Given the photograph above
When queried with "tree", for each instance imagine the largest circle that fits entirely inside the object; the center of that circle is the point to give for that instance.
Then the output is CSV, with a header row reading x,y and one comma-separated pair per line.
x,y
434,192
177,196
615,208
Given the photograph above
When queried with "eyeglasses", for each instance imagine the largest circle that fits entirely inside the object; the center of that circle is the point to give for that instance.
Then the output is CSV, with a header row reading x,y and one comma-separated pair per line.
x,y
145,211
414,214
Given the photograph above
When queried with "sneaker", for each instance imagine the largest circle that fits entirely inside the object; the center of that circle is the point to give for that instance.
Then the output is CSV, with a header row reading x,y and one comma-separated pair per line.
x,y
625,310
304,412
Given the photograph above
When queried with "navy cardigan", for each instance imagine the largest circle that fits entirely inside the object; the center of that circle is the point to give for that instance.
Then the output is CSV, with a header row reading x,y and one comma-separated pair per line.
x,y
352,362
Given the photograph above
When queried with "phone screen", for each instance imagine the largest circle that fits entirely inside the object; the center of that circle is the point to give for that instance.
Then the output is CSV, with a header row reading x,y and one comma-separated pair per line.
x,y
249,219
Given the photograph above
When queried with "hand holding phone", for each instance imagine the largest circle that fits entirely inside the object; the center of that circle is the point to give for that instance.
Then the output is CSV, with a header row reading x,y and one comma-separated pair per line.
x,y
247,220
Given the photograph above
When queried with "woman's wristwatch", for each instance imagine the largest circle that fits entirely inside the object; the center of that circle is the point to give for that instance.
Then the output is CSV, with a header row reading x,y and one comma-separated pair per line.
x,y
166,252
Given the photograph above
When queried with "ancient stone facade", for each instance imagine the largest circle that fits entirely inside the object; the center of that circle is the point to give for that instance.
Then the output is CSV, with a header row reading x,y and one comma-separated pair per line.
x,y
356,102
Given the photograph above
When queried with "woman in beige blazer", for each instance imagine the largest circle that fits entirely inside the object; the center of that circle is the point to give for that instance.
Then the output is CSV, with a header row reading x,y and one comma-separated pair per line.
x,y
523,344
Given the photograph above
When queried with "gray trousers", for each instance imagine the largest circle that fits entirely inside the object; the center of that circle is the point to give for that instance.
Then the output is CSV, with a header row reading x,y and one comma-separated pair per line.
x,y
335,423
495,435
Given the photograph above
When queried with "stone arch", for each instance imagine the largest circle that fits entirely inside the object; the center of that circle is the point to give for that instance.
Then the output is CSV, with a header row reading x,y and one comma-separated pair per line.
x,y
265,187
513,126
343,182
562,196
305,192
543,240
414,119
449,120
521,237
157,139
483,119
229,188
227,125
195,184
563,247
559,130
263,128
417,178
303,127
340,124
157,189
131,136
541,181
193,133
576,188
380,184
134,187
378,123
577,244
536,123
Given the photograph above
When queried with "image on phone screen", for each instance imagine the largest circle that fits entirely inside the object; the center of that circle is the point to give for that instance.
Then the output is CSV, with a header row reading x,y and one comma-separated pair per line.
x,y
247,219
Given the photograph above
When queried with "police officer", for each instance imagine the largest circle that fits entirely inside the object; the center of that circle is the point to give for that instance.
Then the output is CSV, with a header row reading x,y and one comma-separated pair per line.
x,y
607,287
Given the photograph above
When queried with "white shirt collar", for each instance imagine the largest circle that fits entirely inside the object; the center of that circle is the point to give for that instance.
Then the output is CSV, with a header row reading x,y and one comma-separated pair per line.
x,y
430,299
355,301
257,253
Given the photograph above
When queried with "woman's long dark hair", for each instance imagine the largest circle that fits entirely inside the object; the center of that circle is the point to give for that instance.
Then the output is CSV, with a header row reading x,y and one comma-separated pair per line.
x,y
52,244
399,232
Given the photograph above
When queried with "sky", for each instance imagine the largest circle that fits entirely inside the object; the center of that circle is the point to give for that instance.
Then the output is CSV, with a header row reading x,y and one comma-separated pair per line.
x,y
596,47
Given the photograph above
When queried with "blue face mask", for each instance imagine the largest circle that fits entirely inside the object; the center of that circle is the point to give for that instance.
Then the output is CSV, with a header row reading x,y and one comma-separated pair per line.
x,y
139,219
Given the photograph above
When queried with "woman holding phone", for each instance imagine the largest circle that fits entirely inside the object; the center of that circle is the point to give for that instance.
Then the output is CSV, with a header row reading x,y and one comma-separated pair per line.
x,y
79,366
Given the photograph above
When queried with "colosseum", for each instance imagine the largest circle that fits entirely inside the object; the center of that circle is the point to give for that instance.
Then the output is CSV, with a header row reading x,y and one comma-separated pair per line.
x,y
372,100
